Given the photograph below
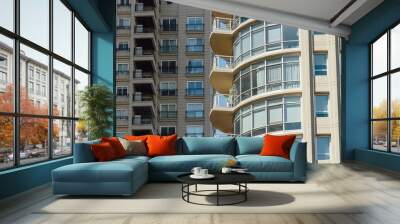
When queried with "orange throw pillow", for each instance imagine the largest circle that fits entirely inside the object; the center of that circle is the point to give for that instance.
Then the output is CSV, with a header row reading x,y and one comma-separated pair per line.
x,y
135,138
161,145
103,152
277,145
116,145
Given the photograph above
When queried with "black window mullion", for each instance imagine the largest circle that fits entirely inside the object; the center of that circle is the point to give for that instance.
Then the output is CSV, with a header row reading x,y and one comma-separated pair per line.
x,y
16,70
50,87
73,81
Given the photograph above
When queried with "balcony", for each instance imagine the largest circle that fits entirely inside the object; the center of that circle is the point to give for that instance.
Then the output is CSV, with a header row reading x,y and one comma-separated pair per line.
x,y
169,49
195,92
194,28
142,55
168,27
221,76
195,48
140,74
124,8
164,70
142,122
168,92
168,114
142,29
194,70
145,10
221,37
195,114
221,114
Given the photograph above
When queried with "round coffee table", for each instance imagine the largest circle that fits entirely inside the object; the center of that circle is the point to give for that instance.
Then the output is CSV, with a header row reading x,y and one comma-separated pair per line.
x,y
238,179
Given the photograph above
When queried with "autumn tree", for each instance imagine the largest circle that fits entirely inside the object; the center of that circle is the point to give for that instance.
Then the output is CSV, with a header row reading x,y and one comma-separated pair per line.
x,y
380,127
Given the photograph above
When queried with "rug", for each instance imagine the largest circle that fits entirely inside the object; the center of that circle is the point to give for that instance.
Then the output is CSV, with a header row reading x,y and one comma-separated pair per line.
x,y
166,198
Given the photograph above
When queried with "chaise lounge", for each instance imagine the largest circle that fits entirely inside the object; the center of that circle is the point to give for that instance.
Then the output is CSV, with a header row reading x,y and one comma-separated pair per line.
x,y
125,176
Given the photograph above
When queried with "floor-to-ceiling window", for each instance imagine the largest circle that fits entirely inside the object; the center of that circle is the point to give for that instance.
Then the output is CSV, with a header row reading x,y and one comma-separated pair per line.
x,y
385,91
44,64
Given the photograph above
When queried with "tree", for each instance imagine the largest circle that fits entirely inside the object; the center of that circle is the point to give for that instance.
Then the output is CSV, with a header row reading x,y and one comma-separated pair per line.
x,y
97,104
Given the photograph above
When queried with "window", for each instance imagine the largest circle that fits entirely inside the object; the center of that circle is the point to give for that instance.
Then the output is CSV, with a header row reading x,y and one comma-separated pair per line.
x,y
169,46
81,45
194,131
34,25
122,91
168,111
121,114
7,14
320,66
321,105
168,88
168,67
122,67
194,88
124,23
323,147
194,45
195,66
62,29
169,24
194,24
194,110
167,130
385,79
123,46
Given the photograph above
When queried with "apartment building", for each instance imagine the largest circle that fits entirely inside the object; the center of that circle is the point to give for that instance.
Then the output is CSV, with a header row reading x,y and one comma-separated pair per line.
x,y
271,78
163,60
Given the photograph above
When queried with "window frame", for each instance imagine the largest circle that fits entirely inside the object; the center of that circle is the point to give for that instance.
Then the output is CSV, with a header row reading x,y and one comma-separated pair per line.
x,y
166,126
17,115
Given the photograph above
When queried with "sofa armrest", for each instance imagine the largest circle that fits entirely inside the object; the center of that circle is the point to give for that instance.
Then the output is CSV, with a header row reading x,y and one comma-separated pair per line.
x,y
83,152
298,155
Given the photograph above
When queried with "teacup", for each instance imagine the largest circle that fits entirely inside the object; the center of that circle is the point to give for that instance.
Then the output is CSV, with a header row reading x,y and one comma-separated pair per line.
x,y
226,170
203,172
196,171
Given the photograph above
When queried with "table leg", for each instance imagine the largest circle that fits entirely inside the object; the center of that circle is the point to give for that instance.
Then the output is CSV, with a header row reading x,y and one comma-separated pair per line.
x,y
195,188
245,193
217,194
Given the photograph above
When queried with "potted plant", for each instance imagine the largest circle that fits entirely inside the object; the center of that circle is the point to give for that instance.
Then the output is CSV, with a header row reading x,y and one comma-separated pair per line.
x,y
96,103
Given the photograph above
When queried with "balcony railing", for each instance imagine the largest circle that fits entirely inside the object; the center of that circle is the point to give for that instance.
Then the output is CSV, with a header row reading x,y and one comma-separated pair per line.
x,y
195,92
169,49
237,21
194,27
195,114
199,48
169,27
141,98
222,24
168,92
123,27
142,52
168,114
142,120
222,100
168,70
223,62
194,70
142,29
139,7
142,74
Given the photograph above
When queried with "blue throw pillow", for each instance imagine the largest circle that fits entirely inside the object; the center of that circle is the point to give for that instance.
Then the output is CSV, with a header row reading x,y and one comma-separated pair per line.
x,y
249,145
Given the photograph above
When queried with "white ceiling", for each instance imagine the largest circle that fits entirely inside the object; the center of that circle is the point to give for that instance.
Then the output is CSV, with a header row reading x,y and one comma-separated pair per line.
x,y
320,15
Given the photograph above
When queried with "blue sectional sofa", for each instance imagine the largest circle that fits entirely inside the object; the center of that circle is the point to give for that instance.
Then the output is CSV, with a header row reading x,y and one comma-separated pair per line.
x,y
125,176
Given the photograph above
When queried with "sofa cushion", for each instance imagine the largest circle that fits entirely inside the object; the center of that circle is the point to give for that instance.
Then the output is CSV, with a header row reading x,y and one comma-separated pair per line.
x,y
257,163
83,152
207,145
248,145
185,163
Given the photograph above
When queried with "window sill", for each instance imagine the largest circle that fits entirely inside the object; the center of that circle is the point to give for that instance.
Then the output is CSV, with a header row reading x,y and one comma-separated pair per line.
x,y
30,166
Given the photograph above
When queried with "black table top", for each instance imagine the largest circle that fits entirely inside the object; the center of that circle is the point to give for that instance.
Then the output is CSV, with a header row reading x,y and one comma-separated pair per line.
x,y
220,178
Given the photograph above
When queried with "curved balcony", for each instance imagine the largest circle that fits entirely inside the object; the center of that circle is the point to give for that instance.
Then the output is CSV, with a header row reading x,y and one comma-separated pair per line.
x,y
221,115
221,76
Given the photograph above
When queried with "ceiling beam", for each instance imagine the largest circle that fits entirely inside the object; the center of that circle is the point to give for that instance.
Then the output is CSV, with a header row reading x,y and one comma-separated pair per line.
x,y
347,11
268,14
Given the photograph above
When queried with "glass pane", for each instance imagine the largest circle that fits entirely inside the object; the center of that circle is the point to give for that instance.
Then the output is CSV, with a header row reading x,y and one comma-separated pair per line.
x,y
321,106
35,21
62,138
6,75
320,67
62,29
259,118
247,123
33,139
62,89
395,136
81,131
395,95
6,142
275,114
379,135
290,37
292,113
81,82
34,72
395,47
7,14
81,45
379,98
379,56
323,147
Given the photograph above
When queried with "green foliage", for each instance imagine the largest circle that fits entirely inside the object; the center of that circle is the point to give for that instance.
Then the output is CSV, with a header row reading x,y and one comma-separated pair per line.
x,y
96,102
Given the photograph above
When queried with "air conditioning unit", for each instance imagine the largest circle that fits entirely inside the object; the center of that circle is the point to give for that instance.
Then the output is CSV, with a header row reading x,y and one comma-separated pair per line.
x,y
139,6
138,73
138,50
138,96
137,119
139,28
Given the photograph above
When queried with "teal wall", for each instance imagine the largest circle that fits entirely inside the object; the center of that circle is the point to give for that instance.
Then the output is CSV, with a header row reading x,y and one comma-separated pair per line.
x,y
355,123
99,16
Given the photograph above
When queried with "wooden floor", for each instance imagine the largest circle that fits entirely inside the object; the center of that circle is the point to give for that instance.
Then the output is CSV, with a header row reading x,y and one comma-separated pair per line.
x,y
378,189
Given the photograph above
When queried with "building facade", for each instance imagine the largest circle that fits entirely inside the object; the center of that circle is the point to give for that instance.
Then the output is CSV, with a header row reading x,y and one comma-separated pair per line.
x,y
163,60
271,78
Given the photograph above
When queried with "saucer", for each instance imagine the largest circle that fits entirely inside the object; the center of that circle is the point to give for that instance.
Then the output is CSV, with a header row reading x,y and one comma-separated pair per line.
x,y
208,176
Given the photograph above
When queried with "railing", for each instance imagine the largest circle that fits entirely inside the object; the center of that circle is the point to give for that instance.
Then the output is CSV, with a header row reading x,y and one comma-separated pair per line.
x,y
168,114
195,92
142,74
195,48
168,70
194,27
143,8
222,100
123,27
142,120
168,92
223,62
194,70
222,24
143,98
144,52
142,29
237,21
169,49
169,27
194,114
